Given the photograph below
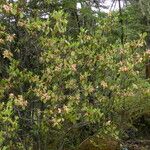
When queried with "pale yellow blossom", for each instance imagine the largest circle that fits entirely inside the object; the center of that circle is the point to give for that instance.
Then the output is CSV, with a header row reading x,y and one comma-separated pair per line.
x,y
7,8
123,69
66,109
10,38
1,41
20,101
7,54
104,84
74,67
148,52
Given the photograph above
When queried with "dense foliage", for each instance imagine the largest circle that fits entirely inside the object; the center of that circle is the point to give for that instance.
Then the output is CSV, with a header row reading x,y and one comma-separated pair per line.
x,y
65,73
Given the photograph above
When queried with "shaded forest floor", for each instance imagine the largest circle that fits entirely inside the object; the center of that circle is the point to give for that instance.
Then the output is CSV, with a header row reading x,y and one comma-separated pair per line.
x,y
140,140
137,144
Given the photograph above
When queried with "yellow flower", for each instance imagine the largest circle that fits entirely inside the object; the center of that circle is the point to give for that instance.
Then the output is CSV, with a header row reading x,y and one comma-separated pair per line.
x,y
59,110
148,52
7,8
19,101
74,67
123,69
11,95
108,123
1,41
10,38
104,84
7,54
66,109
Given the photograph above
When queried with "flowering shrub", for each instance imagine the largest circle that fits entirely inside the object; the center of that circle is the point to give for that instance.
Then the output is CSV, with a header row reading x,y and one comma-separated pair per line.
x,y
90,82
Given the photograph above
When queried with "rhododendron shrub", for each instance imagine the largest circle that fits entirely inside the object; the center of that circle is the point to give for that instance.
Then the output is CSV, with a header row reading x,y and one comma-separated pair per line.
x,y
74,88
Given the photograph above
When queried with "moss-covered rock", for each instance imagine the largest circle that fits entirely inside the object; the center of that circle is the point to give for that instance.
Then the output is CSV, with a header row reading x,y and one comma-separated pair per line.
x,y
100,142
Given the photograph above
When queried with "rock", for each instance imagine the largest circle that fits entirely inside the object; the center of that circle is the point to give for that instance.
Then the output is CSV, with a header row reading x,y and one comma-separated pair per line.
x,y
100,142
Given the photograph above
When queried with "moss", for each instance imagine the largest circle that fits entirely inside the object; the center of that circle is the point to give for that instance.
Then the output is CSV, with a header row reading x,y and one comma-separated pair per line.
x,y
100,142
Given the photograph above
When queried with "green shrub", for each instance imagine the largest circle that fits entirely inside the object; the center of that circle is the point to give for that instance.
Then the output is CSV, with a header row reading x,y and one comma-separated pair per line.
x,y
73,88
